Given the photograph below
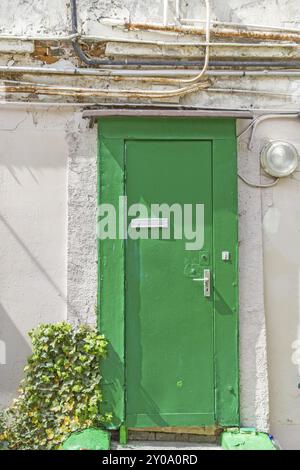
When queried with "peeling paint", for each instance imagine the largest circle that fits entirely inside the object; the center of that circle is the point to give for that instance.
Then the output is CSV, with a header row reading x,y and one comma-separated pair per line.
x,y
11,46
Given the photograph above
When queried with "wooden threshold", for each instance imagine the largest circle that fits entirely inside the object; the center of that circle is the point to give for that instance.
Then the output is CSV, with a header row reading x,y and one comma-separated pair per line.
x,y
195,430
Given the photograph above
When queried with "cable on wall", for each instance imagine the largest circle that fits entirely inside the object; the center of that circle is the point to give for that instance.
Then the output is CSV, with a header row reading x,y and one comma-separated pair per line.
x,y
258,185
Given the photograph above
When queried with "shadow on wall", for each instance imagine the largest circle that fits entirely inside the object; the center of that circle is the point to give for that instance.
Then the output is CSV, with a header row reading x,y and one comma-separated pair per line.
x,y
16,351
282,274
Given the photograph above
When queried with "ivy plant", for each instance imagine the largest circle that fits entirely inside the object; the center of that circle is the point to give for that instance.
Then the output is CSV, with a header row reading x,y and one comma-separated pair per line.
x,y
60,392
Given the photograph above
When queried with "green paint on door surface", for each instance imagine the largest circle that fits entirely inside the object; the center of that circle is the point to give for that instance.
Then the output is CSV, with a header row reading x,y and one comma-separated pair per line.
x,y
169,323
172,357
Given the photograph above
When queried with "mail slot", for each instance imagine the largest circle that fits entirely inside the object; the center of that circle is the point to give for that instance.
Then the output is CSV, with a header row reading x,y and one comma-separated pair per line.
x,y
153,222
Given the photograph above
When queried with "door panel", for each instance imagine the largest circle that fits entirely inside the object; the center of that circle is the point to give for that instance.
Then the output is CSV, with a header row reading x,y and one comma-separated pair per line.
x,y
168,321
150,331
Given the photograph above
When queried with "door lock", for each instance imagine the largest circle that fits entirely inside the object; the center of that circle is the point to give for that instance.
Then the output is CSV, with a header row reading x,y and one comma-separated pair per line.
x,y
206,282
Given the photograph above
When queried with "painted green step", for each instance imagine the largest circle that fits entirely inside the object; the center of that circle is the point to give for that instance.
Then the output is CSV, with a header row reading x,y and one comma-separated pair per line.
x,y
246,439
88,439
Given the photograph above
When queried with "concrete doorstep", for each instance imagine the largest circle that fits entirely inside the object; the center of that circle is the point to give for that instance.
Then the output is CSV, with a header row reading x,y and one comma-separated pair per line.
x,y
166,445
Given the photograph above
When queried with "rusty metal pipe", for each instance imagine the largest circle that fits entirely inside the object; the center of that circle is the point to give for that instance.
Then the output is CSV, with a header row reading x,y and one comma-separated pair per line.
x,y
16,86
217,32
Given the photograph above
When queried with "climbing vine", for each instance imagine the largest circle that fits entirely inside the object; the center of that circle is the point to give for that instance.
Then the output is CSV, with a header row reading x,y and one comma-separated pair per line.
x,y
61,389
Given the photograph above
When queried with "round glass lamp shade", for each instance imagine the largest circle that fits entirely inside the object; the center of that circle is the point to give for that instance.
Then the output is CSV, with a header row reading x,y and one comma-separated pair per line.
x,y
279,158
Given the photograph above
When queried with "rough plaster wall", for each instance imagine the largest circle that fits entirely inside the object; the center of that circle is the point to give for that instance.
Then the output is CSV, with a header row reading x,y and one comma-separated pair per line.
x,y
82,205
78,146
253,355
28,16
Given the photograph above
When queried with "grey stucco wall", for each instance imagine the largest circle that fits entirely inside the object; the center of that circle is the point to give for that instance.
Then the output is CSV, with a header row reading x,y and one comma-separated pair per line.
x,y
82,206
253,354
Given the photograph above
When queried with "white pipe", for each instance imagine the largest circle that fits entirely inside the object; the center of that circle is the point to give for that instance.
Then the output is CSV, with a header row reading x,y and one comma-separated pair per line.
x,y
263,118
207,39
143,73
247,128
202,43
241,25
177,9
258,185
124,40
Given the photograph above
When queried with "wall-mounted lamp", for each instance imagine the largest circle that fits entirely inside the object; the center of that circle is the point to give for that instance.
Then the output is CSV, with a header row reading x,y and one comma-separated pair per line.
x,y
279,158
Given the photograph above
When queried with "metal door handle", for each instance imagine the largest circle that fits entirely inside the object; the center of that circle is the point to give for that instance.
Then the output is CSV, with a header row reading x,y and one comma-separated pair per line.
x,y
206,282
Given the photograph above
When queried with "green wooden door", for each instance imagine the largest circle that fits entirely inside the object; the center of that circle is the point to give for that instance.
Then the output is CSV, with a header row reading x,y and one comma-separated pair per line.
x,y
169,322
173,355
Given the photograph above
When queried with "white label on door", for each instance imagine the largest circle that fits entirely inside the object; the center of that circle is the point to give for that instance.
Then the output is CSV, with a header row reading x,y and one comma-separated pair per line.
x,y
149,223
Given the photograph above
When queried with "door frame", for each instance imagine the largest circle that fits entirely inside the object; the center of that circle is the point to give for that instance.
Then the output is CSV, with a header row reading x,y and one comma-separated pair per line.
x,y
112,133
